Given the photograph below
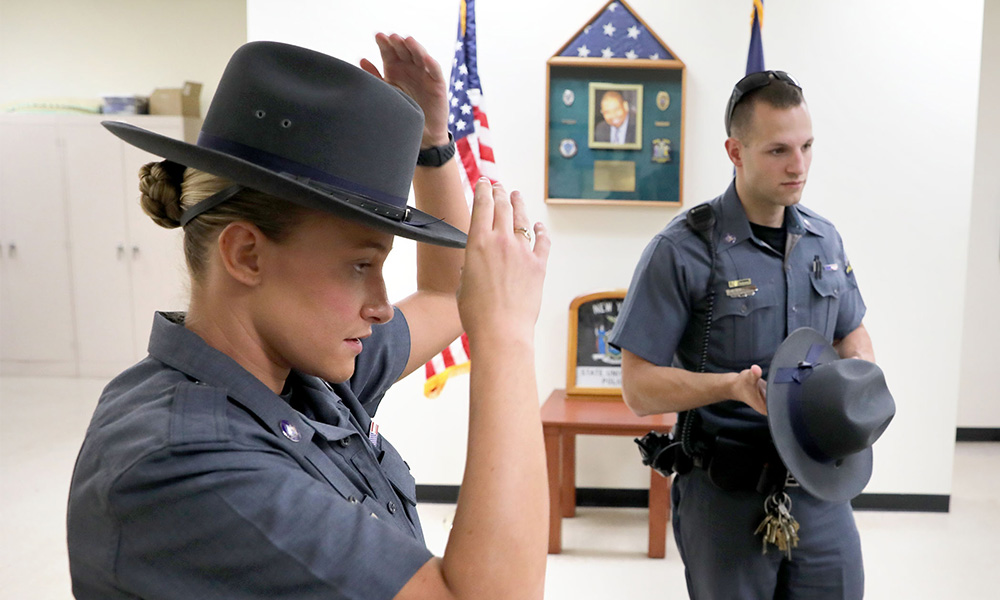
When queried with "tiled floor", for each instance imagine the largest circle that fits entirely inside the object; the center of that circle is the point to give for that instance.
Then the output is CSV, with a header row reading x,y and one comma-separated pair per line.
x,y
907,555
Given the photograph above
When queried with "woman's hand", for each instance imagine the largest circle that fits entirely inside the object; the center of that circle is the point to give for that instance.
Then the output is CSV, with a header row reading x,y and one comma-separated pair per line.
x,y
409,67
501,285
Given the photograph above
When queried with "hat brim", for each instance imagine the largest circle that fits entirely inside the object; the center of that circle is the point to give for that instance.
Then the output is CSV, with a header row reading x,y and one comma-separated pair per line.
x,y
827,481
420,226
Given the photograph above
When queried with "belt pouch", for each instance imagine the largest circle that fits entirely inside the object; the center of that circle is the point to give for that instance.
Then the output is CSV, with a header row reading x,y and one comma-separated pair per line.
x,y
735,466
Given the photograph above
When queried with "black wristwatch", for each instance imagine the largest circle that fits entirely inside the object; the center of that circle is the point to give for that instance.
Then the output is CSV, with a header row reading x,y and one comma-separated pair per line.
x,y
435,156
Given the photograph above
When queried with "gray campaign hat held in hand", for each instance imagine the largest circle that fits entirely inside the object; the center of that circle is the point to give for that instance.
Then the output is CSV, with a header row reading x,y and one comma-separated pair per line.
x,y
825,413
309,129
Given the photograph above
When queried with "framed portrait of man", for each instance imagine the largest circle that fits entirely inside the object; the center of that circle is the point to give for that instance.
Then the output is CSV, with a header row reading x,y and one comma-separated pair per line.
x,y
615,116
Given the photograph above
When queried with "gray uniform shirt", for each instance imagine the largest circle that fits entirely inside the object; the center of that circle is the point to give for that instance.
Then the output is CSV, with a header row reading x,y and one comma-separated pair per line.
x,y
663,317
197,481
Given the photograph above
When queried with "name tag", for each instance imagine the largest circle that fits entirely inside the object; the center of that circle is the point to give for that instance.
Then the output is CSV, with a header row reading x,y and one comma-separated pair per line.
x,y
741,288
742,292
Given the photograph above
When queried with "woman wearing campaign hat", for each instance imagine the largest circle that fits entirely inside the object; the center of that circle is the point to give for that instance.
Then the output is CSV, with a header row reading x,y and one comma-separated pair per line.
x,y
241,458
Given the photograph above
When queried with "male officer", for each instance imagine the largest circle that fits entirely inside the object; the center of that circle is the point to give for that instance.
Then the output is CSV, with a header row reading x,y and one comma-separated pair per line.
x,y
712,297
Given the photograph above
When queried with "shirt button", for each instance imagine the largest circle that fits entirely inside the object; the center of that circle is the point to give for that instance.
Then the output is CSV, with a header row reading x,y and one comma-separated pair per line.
x,y
352,499
392,507
795,309
345,442
743,309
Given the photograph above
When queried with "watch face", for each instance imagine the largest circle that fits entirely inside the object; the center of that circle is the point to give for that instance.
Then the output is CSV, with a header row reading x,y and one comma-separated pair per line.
x,y
567,148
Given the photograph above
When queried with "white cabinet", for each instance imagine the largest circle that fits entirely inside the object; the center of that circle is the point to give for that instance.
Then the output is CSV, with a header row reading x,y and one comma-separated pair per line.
x,y
118,266
124,266
159,274
36,308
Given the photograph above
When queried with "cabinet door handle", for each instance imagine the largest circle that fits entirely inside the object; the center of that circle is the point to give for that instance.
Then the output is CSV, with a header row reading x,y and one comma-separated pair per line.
x,y
135,252
121,251
12,250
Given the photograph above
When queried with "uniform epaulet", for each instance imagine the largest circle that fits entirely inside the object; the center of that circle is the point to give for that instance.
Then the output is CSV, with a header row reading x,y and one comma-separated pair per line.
x,y
815,216
198,414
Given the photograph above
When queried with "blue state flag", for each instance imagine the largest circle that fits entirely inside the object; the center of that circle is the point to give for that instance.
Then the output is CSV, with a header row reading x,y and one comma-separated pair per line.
x,y
755,56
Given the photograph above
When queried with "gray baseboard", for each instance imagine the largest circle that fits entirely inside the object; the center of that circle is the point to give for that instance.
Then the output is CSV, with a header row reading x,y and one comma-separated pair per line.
x,y
437,494
977,434
903,502
639,498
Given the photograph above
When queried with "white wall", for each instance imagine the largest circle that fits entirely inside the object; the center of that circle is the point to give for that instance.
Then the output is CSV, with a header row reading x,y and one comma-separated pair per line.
x,y
893,89
979,392
57,49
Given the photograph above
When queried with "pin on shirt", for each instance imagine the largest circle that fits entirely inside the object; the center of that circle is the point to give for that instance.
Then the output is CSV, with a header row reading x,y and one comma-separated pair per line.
x,y
373,434
741,288
818,267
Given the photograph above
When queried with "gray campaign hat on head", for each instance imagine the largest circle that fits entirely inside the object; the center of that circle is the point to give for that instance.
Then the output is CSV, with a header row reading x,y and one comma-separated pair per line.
x,y
825,413
309,129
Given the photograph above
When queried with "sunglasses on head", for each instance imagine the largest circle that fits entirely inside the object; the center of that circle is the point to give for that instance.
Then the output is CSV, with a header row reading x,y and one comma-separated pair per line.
x,y
750,83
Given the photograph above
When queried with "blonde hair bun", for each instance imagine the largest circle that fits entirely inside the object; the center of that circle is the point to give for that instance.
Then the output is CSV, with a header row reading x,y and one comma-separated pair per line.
x,y
160,184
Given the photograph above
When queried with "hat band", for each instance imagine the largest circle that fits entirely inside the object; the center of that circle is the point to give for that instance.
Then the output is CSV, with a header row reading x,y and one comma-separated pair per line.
x,y
279,164
797,375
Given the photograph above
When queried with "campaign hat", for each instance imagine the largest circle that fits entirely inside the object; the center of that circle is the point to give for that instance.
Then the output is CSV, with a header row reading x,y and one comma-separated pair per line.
x,y
310,129
825,413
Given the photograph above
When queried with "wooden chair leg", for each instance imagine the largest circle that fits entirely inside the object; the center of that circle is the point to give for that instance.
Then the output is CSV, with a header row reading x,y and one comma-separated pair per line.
x,y
659,510
552,446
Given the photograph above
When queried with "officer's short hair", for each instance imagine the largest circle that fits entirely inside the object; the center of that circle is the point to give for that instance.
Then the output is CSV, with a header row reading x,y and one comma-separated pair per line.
x,y
779,94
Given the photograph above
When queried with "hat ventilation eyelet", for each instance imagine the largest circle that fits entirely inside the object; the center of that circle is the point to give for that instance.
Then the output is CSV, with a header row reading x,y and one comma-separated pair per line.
x,y
260,114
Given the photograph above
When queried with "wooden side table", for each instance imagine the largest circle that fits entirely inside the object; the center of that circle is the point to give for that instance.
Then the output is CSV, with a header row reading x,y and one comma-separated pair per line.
x,y
563,418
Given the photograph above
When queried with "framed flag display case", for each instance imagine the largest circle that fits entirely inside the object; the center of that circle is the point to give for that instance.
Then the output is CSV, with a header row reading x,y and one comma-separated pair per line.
x,y
614,115
593,367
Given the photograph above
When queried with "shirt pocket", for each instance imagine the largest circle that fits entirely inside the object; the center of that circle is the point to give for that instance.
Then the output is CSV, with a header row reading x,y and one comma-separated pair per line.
x,y
825,301
744,329
398,473
344,450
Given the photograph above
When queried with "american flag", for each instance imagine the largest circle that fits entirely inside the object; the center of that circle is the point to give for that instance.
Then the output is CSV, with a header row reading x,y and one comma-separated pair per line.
x,y
467,118
470,128
616,32
755,55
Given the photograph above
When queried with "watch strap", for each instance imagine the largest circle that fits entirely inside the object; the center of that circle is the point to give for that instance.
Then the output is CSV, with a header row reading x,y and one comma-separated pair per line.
x,y
435,156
